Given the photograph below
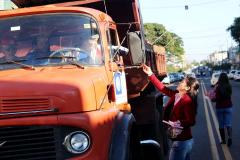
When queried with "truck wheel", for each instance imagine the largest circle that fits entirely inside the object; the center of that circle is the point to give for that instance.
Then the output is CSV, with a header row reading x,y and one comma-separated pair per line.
x,y
133,150
125,142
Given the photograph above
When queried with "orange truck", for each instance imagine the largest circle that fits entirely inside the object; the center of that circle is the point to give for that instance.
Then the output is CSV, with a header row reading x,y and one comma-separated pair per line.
x,y
71,82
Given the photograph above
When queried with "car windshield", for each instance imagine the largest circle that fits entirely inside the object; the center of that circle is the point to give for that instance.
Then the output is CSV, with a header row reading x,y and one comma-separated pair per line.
x,y
49,39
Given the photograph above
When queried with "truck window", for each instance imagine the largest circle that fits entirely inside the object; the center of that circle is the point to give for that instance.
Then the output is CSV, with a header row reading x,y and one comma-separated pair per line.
x,y
49,39
112,41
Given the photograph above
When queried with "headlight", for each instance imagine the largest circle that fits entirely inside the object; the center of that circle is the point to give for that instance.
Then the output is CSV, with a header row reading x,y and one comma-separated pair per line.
x,y
77,142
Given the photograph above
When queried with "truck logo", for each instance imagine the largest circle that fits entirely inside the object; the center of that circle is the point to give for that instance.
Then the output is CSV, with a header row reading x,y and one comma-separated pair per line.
x,y
2,143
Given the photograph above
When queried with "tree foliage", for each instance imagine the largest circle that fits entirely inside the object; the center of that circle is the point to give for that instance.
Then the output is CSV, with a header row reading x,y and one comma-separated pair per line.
x,y
195,63
235,30
171,68
157,34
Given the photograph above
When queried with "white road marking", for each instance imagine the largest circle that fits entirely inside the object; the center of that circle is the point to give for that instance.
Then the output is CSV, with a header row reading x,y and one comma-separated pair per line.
x,y
214,151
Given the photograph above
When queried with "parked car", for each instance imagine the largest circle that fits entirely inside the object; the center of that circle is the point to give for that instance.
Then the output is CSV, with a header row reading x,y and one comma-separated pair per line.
x,y
236,76
191,75
181,75
172,77
203,73
169,79
197,74
231,73
214,78
176,77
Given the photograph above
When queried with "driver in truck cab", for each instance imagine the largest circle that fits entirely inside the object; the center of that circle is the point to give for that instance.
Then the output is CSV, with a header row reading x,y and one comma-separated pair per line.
x,y
41,47
40,51
93,50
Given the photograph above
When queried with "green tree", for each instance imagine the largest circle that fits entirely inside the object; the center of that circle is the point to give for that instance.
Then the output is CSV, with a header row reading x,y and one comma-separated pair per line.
x,y
157,34
171,68
195,63
204,62
235,30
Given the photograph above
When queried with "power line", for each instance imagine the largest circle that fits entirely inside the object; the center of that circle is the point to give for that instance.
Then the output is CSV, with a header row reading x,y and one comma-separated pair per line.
x,y
205,30
205,36
208,2
181,6
197,54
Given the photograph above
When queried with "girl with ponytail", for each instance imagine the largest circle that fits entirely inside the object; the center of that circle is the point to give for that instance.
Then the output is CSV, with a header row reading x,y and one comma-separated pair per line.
x,y
180,112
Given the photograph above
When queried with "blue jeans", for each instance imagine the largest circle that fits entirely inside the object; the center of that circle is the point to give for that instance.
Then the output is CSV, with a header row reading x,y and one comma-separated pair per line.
x,y
224,116
180,150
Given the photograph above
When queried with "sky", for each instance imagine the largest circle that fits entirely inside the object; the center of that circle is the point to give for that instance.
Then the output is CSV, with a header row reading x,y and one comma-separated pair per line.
x,y
202,27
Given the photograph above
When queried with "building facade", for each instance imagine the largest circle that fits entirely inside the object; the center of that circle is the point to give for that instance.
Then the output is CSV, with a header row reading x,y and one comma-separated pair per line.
x,y
218,57
234,56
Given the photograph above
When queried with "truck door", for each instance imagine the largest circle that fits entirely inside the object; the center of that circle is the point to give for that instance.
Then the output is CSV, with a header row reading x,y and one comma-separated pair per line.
x,y
119,78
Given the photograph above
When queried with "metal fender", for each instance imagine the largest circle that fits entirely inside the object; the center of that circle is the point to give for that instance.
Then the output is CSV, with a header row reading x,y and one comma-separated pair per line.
x,y
120,141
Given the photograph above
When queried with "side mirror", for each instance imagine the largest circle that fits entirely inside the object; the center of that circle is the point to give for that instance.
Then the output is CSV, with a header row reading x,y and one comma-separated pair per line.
x,y
136,48
120,50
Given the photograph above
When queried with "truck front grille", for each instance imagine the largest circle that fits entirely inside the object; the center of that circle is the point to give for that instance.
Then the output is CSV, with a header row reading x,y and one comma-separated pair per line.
x,y
24,104
27,143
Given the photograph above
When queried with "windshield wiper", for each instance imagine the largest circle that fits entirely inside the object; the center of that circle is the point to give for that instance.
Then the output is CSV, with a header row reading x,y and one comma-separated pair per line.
x,y
55,57
9,61
76,64
18,62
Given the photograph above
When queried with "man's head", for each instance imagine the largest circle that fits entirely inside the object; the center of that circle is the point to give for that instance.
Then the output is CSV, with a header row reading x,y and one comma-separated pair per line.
x,y
94,39
42,43
88,44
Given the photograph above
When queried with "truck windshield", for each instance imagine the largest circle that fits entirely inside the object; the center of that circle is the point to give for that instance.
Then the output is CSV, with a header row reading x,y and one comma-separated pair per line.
x,y
49,39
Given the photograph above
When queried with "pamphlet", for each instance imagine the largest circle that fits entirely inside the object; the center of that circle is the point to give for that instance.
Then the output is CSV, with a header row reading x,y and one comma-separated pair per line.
x,y
172,124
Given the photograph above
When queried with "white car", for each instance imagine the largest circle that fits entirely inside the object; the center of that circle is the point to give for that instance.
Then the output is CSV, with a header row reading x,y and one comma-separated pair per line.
x,y
231,73
214,78
168,79
191,75
236,76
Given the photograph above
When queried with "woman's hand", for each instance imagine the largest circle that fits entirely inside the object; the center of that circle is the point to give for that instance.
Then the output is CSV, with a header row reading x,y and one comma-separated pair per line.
x,y
147,70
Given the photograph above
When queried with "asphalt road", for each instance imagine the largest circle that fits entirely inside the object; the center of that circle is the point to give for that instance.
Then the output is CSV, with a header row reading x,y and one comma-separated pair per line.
x,y
205,132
